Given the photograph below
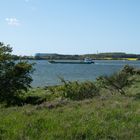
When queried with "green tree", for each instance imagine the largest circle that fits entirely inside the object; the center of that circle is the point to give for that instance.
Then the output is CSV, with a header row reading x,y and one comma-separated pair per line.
x,y
15,78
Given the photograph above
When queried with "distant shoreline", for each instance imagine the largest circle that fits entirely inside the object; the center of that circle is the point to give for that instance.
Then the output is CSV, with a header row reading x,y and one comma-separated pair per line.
x,y
100,56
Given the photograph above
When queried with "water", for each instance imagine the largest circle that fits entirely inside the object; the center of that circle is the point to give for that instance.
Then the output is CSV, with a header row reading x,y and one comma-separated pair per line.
x,y
48,74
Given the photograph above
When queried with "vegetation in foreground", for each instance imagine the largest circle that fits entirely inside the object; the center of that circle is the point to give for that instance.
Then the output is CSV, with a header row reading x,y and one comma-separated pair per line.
x,y
103,117
49,115
14,76
107,108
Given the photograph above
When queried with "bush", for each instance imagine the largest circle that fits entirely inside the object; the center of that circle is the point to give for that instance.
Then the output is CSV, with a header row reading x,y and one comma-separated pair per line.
x,y
130,70
77,91
14,76
118,81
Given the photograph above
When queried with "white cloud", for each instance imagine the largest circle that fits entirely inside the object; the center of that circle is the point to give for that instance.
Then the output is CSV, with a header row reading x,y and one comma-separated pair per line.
x,y
12,21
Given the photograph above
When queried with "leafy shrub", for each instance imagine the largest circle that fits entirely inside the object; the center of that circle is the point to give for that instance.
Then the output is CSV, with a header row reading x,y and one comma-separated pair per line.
x,y
14,76
130,70
77,91
118,81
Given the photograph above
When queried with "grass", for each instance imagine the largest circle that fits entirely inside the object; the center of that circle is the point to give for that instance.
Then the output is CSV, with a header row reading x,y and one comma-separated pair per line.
x,y
67,113
106,117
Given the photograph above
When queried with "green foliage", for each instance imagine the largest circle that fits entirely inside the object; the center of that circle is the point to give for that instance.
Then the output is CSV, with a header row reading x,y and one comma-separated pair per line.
x,y
118,81
14,76
130,70
77,91
113,117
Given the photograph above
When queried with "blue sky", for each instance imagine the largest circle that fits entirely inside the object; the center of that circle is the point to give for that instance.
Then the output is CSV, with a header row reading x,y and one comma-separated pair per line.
x,y
70,26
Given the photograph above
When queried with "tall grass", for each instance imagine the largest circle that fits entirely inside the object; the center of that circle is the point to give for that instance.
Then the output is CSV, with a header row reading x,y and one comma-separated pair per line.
x,y
115,118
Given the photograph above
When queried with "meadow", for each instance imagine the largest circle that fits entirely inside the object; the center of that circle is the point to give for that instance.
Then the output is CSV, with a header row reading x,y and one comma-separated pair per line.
x,y
47,115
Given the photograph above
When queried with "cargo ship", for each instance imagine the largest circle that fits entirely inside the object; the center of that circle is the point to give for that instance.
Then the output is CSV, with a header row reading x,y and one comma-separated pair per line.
x,y
85,61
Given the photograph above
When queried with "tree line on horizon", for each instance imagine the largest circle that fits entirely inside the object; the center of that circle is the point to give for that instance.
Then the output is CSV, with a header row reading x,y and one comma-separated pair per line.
x,y
100,56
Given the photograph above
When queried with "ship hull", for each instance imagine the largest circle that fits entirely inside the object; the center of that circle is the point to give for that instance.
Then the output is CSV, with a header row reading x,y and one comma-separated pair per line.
x,y
64,62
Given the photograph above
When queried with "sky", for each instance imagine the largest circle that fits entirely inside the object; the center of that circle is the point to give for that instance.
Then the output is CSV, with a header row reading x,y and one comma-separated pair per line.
x,y
70,26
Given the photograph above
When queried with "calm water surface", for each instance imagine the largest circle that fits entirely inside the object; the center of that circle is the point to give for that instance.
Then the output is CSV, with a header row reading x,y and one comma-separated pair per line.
x,y
48,74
